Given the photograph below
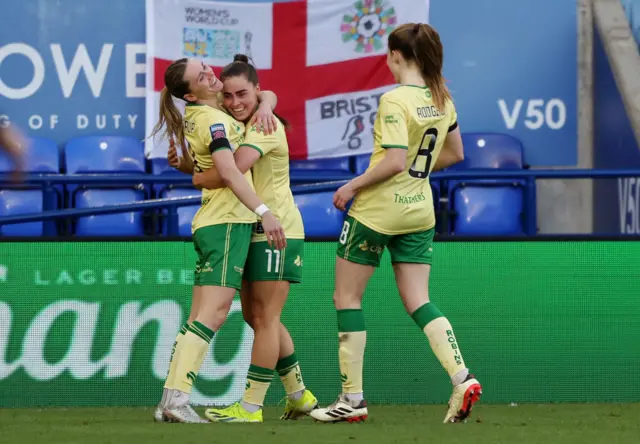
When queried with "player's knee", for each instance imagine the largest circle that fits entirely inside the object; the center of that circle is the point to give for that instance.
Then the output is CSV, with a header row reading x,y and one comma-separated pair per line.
x,y
264,317
344,300
212,318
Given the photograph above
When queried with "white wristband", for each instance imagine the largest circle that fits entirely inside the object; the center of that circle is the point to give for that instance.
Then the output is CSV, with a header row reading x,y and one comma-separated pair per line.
x,y
261,210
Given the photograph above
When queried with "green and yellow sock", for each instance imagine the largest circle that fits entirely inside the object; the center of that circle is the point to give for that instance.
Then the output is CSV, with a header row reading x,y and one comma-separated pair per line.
x,y
171,374
258,381
353,338
441,339
289,370
190,353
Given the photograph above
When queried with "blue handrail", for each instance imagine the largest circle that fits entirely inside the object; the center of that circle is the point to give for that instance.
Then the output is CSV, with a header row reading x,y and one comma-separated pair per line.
x,y
172,204
124,179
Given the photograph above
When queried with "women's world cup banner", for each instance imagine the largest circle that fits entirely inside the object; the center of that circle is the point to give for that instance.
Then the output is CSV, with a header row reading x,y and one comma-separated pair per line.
x,y
325,59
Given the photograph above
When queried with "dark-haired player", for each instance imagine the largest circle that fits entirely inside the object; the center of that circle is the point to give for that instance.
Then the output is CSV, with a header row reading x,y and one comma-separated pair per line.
x,y
415,132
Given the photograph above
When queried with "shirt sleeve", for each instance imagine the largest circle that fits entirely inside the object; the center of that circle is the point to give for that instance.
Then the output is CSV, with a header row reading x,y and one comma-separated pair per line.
x,y
453,123
393,125
259,141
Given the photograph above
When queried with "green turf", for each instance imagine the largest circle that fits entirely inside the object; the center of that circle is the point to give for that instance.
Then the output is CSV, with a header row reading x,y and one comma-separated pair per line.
x,y
524,424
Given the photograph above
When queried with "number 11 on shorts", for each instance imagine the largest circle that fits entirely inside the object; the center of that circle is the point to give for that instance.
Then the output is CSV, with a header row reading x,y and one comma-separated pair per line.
x,y
270,256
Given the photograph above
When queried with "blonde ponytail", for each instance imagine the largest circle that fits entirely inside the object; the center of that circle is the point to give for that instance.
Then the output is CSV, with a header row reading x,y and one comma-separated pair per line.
x,y
169,119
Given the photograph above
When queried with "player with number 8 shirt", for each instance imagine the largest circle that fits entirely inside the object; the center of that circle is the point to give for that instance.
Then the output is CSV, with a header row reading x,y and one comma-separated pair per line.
x,y
415,132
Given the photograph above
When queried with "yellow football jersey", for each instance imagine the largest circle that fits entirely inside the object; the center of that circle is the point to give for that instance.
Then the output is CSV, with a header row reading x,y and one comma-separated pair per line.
x,y
202,124
271,180
407,118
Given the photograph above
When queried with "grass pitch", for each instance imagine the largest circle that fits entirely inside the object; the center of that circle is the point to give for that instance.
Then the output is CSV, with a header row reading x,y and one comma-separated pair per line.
x,y
490,424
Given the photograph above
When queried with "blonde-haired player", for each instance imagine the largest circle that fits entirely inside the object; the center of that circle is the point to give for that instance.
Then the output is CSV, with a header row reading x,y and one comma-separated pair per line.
x,y
415,131
222,227
269,272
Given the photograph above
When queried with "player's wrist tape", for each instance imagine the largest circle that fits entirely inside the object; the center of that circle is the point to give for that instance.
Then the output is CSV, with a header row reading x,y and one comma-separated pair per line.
x,y
261,210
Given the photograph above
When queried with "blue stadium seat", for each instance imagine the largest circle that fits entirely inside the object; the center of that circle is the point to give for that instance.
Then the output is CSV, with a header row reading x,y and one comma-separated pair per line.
x,y
321,218
14,202
41,156
361,163
104,154
488,210
435,191
488,151
185,214
160,167
320,170
491,150
121,224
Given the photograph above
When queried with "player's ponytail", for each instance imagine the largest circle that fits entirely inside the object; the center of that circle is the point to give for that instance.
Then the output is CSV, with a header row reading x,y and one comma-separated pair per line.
x,y
170,118
242,67
420,43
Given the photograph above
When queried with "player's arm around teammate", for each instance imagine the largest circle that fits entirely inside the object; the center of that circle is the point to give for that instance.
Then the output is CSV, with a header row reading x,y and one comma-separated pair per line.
x,y
393,209
268,271
221,228
263,118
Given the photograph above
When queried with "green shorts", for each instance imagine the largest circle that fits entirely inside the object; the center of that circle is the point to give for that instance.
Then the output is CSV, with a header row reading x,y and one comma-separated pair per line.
x,y
266,264
362,245
222,252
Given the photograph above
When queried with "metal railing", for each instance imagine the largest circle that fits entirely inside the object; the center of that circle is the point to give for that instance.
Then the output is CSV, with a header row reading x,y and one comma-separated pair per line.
x,y
524,178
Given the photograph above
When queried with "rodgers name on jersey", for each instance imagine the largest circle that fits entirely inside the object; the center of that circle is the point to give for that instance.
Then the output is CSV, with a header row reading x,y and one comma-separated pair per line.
x,y
407,119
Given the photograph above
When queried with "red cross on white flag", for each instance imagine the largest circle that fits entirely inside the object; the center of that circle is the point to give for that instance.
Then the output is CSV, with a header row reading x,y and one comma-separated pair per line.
x,y
325,59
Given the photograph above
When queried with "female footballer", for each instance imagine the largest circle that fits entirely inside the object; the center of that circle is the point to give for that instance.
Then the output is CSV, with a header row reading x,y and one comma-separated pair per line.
x,y
222,227
268,272
415,132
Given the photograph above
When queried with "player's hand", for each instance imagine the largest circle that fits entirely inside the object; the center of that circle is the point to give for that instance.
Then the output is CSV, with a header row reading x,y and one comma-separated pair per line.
x,y
197,180
274,232
264,120
342,197
172,155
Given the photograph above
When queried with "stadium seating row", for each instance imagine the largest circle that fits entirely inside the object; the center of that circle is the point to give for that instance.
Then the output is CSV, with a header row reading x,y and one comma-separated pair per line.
x,y
474,207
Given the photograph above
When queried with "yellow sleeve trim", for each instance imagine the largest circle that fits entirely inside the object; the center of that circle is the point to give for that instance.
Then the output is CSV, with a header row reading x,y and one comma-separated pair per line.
x,y
254,147
404,147
221,148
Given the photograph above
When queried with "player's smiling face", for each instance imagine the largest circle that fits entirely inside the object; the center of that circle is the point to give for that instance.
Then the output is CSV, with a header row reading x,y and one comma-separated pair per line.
x,y
240,97
203,83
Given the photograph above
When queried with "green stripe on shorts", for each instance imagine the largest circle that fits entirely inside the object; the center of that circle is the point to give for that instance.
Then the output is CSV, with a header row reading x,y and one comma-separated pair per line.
x,y
222,252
